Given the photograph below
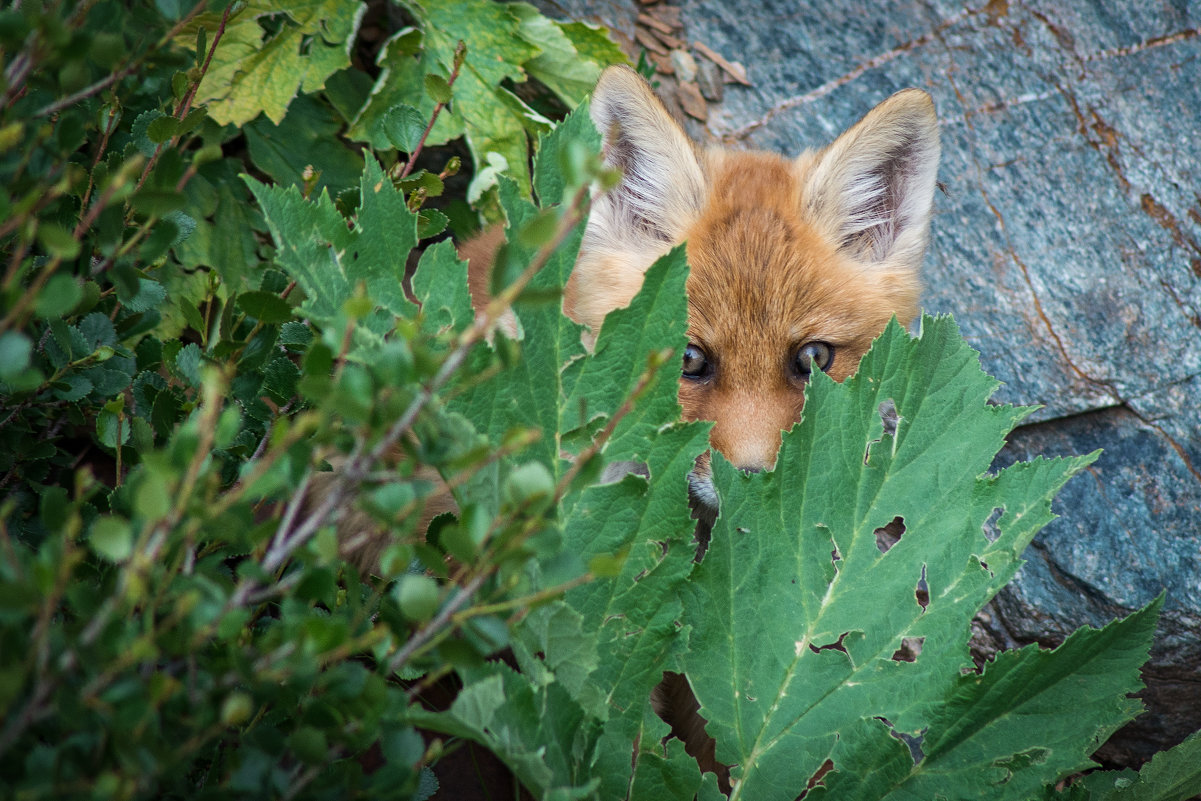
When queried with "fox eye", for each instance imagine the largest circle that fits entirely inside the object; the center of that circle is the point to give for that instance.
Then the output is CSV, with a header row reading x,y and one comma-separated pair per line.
x,y
811,355
696,363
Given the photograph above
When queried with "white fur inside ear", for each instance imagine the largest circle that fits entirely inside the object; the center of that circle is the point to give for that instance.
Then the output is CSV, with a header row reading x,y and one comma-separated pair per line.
x,y
662,185
872,189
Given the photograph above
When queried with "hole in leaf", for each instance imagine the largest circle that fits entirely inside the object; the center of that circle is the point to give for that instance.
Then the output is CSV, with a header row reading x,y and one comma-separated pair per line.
x,y
834,646
922,591
889,419
912,741
991,528
818,778
890,534
911,648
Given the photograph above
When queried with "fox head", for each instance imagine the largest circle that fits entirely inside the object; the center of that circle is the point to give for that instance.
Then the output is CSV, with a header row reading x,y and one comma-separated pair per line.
x,y
795,264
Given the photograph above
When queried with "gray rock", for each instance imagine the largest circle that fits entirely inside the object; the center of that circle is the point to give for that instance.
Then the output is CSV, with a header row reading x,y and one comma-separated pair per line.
x,y
1068,246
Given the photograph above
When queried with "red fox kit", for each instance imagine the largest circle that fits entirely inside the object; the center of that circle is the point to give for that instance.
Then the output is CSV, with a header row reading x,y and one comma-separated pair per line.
x,y
795,265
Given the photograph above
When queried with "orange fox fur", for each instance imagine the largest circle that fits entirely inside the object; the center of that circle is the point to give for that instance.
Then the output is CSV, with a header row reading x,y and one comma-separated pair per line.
x,y
795,264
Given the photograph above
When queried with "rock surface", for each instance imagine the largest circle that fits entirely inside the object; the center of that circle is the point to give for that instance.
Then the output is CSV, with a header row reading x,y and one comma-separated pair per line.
x,y
1068,246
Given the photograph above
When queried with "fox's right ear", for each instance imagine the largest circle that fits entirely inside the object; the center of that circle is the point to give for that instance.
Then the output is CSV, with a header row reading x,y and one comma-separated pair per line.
x,y
662,185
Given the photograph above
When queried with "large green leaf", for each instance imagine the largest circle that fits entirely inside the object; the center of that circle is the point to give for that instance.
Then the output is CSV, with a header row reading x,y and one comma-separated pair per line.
x,y
801,542
627,621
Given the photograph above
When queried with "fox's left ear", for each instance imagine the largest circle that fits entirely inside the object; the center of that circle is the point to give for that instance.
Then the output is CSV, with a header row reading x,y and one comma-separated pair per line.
x,y
872,189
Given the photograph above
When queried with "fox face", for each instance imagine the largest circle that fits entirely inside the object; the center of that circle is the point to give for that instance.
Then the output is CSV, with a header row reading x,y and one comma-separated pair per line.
x,y
795,264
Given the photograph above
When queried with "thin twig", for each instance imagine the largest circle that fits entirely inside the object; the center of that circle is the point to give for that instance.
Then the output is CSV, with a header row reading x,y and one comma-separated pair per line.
x,y
186,103
87,91
287,407
109,127
438,622
460,51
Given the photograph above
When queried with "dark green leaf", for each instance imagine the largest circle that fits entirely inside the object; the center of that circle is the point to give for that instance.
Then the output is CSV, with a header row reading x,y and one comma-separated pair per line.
x,y
149,295
267,307
157,202
140,132
97,330
279,379
161,129
306,137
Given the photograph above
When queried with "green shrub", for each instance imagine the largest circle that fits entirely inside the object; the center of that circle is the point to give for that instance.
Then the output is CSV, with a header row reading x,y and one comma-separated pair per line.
x,y
209,222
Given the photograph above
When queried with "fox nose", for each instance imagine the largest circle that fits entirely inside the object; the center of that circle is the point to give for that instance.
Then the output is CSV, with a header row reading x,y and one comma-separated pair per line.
x,y
752,453
747,429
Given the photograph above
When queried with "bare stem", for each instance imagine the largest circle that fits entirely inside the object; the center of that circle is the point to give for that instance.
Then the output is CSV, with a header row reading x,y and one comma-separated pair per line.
x,y
87,91
460,51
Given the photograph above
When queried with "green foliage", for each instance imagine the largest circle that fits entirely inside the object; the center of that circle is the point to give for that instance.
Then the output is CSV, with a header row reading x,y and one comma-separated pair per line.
x,y
220,281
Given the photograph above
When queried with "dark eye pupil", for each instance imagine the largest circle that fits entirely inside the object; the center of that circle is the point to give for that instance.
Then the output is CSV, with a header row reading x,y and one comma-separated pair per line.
x,y
695,362
813,355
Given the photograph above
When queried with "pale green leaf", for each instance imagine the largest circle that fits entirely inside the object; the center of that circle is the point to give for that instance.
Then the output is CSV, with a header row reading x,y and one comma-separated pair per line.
x,y
111,538
572,54
15,351
253,73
